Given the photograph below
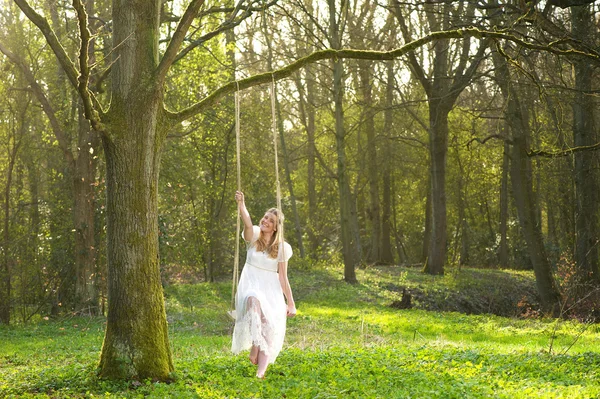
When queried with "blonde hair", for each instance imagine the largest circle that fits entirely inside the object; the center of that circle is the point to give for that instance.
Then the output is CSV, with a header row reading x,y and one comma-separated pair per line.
x,y
272,247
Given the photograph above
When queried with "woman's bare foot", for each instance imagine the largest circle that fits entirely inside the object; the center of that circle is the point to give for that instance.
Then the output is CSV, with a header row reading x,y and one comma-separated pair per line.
x,y
263,363
254,354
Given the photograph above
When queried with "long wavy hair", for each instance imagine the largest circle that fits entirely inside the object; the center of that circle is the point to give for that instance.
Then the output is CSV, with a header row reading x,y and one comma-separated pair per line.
x,y
272,247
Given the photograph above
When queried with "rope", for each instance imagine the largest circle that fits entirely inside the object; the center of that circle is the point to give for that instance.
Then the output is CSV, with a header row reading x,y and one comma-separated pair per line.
x,y
274,124
236,260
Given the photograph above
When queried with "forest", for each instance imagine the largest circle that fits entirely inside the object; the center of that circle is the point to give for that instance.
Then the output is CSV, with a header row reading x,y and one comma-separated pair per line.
x,y
440,156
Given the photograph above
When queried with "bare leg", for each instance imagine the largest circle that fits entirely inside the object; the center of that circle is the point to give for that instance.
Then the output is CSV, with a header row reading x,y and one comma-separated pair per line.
x,y
253,305
263,363
254,354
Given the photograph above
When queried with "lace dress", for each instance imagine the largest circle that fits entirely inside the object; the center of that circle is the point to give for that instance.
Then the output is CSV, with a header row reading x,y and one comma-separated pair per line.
x,y
260,304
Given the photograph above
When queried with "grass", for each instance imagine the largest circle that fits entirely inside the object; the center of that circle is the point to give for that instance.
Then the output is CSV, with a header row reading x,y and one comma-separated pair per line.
x,y
345,342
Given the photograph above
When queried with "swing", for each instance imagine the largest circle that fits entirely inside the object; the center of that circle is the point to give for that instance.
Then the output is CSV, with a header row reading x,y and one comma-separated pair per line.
x,y
236,262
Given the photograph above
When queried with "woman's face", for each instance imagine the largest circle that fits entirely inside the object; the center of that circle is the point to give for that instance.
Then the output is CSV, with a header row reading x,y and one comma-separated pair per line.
x,y
267,223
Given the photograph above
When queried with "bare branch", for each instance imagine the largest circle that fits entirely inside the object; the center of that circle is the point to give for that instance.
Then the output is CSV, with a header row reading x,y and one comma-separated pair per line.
x,y
412,59
320,55
63,58
178,36
43,100
485,140
84,68
226,25
60,52
330,173
563,153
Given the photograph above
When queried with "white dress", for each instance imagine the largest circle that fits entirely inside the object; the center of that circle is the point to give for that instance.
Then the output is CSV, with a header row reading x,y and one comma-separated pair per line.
x,y
261,311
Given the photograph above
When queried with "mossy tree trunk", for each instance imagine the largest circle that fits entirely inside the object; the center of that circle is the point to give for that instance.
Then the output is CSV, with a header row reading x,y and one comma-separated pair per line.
x,y
136,341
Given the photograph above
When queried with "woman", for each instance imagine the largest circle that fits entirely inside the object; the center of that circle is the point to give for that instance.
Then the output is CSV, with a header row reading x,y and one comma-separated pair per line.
x,y
260,305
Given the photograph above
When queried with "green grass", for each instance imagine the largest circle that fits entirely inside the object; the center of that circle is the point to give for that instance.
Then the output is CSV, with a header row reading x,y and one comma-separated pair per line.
x,y
345,342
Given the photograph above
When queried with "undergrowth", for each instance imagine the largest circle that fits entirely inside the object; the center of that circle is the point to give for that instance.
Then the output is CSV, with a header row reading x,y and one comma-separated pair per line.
x,y
345,342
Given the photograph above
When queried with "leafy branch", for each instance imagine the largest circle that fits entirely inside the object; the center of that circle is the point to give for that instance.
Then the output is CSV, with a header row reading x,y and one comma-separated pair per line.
x,y
282,73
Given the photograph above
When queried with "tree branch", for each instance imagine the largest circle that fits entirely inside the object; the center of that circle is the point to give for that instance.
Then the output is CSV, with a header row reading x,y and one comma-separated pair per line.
x,y
563,153
215,96
178,36
84,69
43,100
43,25
63,58
228,24
330,173
412,59
485,140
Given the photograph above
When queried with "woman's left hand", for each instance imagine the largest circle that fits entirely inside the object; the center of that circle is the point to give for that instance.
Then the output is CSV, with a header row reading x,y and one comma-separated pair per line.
x,y
291,310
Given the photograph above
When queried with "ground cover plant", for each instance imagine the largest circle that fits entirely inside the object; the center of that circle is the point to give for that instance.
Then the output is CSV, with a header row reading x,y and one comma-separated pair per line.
x,y
345,342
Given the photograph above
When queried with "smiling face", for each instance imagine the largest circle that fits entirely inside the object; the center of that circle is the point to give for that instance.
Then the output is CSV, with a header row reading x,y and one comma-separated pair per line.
x,y
268,223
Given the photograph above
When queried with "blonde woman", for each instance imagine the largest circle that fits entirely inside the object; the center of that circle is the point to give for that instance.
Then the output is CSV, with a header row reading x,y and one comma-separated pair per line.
x,y
264,296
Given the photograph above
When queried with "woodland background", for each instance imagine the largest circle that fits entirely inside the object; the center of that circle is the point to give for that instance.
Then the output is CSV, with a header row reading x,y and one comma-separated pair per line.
x,y
477,148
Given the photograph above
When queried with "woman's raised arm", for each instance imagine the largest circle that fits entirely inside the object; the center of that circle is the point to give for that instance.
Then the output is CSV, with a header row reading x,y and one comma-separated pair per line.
x,y
248,232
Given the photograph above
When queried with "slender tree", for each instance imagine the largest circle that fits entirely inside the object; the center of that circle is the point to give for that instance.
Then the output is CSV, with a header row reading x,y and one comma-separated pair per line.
x,y
447,81
585,173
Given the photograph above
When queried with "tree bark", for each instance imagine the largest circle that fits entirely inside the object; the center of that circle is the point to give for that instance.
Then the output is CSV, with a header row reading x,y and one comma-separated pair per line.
x,y
427,227
387,256
522,187
463,225
136,340
503,250
438,150
349,244
442,92
374,213
307,115
86,291
14,141
311,158
586,177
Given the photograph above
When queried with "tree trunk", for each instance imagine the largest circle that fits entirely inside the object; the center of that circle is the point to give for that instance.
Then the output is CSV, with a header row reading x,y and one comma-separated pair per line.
x,y
307,115
521,180
349,244
87,296
427,229
350,255
288,179
442,91
5,304
311,163
136,341
503,250
463,225
438,150
14,141
286,162
311,156
586,186
522,187
387,256
374,213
